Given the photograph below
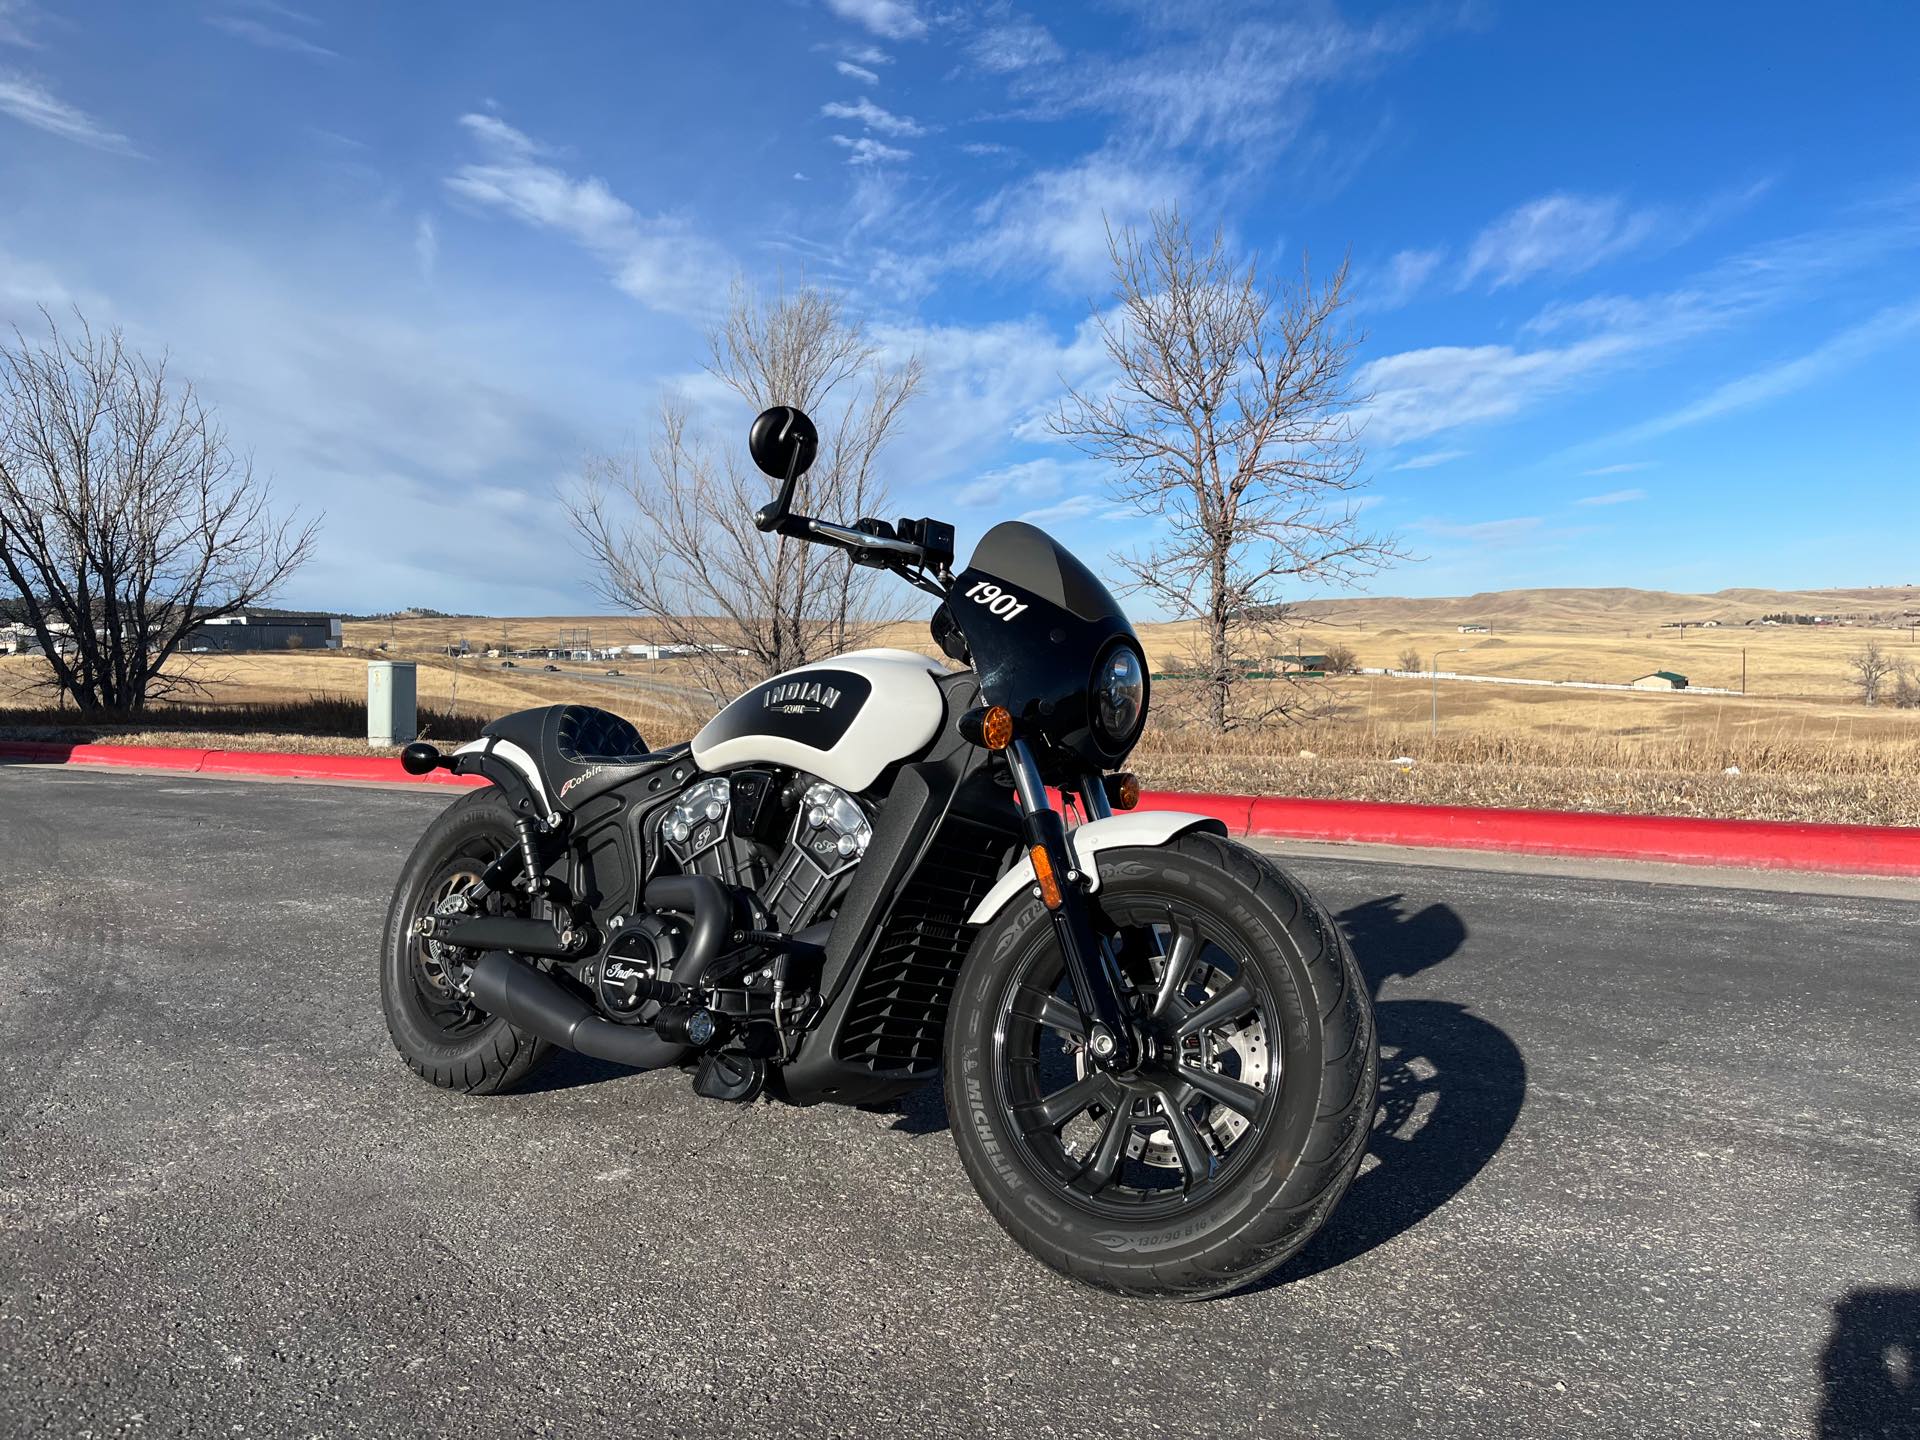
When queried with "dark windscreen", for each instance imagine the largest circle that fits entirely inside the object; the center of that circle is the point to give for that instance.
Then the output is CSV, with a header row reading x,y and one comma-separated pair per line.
x,y
1031,559
1037,623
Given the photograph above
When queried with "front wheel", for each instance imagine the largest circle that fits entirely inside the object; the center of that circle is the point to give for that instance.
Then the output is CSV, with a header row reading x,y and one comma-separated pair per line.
x,y
1221,1153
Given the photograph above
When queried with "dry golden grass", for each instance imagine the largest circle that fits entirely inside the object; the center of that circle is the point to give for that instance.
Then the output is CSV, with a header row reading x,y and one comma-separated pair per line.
x,y
1802,749
464,689
1628,753
1781,662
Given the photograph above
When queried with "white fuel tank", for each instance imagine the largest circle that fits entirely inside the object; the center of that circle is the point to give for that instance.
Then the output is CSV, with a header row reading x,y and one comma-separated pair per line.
x,y
844,719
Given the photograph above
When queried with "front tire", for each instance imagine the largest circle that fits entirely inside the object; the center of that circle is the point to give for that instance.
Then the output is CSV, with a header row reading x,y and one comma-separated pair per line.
x,y
444,1038
1218,1158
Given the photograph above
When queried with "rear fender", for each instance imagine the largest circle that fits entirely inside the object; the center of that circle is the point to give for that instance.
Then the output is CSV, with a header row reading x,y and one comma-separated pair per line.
x,y
490,751
1133,829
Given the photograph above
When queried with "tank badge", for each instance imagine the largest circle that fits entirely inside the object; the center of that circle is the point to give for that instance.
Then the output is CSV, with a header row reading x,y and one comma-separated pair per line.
x,y
799,697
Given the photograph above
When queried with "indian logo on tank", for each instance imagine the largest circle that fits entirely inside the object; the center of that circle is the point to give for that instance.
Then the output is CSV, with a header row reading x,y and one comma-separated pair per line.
x,y
799,697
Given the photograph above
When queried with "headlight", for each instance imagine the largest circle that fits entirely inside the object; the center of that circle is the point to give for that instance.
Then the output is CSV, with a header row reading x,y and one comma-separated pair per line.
x,y
1119,694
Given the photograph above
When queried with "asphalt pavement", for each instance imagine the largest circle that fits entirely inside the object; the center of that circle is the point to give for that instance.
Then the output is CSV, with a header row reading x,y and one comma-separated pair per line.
x,y
1647,1166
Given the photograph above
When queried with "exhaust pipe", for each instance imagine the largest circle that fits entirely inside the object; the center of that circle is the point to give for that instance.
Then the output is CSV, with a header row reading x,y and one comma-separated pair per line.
x,y
534,1002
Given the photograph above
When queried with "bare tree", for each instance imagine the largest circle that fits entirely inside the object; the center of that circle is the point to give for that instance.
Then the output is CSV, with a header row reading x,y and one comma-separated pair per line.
x,y
671,531
1410,659
126,519
1339,657
1871,669
1232,421
1906,687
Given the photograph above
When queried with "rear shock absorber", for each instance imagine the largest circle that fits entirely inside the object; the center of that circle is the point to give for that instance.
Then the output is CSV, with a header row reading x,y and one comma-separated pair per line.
x,y
532,879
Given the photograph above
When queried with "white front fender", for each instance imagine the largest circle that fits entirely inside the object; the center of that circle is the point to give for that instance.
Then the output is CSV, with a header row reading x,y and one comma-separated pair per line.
x,y
1135,827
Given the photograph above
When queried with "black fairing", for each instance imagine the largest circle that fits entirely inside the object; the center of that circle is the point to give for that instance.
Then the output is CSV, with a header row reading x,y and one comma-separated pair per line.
x,y
1040,662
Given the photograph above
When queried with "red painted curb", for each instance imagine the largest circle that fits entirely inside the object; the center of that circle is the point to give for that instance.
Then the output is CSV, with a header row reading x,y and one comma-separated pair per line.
x,y
1756,844
263,763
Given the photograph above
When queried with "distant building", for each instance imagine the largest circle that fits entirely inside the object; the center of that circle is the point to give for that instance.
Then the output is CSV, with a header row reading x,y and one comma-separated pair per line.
x,y
265,632
1661,680
1473,629
1301,664
22,639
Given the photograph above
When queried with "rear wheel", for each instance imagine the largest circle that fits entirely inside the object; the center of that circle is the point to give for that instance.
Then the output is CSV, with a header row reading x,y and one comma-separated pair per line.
x,y
442,1035
1221,1152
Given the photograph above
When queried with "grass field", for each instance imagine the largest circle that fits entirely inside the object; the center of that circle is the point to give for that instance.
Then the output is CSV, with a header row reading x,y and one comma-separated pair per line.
x,y
1802,746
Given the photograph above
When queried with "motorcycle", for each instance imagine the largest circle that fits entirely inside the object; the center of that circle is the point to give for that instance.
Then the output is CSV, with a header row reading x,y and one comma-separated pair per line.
x,y
1158,1053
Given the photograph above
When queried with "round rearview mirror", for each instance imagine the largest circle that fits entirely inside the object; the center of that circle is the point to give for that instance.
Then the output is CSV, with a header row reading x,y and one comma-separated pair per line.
x,y
783,441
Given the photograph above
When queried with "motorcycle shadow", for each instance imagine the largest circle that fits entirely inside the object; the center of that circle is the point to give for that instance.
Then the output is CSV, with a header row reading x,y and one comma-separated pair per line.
x,y
569,1069
1870,1368
1451,1089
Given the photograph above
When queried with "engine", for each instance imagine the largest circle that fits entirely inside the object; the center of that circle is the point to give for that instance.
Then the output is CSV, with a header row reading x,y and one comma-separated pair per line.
x,y
791,840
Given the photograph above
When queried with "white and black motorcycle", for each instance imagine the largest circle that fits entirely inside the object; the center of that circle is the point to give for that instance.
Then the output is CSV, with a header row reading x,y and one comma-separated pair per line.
x,y
1159,1055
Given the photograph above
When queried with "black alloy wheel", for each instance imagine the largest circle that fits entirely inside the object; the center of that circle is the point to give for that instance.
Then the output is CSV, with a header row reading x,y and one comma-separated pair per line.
x,y
1150,1141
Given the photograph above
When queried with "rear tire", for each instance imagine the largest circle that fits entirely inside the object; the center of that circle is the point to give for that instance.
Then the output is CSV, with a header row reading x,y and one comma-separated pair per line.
x,y
1257,1184
446,1043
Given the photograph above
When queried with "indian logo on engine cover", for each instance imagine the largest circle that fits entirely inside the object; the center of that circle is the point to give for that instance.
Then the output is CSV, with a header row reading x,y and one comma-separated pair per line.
x,y
799,697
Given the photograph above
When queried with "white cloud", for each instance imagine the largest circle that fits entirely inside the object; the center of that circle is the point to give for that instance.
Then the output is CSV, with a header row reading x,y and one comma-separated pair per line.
x,y
874,117
33,104
1562,233
1887,327
14,16
1056,220
499,135
420,420
1426,392
27,287
1423,392
868,55
1612,497
1401,280
1494,534
856,72
659,261
269,37
1074,507
426,245
1429,461
1624,468
1567,234
889,19
867,151
1229,82
987,383
1014,44
1028,480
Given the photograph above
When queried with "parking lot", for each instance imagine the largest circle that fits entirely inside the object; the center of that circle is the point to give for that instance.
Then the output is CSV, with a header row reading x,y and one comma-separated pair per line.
x,y
1647,1165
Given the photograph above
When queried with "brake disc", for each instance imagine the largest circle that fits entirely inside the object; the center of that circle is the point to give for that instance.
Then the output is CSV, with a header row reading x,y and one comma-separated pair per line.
x,y
1247,1042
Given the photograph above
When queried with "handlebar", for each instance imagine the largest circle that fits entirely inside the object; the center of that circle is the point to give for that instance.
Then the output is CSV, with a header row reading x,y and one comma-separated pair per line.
x,y
871,542
848,537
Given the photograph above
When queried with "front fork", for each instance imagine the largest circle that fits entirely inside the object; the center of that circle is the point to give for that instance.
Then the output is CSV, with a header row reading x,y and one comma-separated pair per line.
x,y
1096,986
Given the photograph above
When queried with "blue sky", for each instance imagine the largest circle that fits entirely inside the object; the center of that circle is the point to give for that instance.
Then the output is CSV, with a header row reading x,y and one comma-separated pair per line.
x,y
1639,282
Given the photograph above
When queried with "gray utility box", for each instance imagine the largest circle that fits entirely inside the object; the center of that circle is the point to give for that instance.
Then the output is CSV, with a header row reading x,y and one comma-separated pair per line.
x,y
392,714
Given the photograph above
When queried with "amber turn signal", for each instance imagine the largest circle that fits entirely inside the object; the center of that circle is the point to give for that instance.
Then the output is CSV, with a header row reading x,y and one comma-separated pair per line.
x,y
991,727
1044,877
1123,790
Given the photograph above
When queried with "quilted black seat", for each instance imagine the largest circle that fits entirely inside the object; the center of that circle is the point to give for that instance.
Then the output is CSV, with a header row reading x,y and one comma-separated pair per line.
x,y
580,749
